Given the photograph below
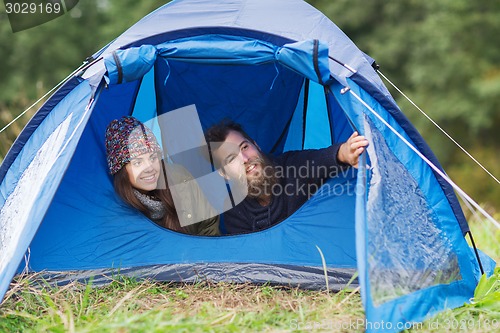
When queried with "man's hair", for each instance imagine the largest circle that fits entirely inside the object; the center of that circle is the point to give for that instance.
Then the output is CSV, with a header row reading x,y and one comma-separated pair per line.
x,y
220,131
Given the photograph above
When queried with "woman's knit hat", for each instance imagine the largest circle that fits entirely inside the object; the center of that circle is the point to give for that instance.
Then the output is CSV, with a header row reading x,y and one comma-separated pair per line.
x,y
127,138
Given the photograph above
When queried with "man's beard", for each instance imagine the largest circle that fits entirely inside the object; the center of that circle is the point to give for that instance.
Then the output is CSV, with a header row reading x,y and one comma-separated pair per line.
x,y
262,183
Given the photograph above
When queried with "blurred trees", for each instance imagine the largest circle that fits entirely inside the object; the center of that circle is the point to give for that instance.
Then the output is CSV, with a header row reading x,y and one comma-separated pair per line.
x,y
36,59
442,54
33,61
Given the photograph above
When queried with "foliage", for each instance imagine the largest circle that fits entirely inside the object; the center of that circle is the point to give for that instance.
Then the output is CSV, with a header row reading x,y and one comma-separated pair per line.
x,y
36,59
487,292
482,314
486,236
129,305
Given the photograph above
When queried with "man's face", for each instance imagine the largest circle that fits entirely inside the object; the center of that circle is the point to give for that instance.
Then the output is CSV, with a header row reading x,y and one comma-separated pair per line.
x,y
240,158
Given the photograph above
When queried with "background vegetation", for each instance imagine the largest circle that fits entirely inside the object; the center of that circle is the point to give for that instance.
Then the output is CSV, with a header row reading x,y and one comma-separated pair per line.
x,y
442,54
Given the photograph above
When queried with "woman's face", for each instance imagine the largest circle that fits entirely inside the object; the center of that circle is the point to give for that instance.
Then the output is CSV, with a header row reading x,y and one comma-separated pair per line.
x,y
144,171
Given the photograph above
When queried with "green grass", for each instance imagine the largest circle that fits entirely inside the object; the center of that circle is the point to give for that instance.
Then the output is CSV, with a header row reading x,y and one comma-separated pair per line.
x,y
146,306
487,237
127,305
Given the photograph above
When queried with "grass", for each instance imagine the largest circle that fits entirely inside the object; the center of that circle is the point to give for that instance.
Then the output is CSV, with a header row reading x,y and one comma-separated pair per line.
x,y
127,305
131,306
487,237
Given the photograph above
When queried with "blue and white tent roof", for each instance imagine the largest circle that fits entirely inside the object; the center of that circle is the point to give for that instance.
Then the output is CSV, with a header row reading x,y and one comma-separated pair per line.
x,y
295,20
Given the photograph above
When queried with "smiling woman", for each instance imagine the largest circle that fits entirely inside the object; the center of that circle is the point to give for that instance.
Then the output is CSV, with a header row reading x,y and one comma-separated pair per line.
x,y
143,171
140,178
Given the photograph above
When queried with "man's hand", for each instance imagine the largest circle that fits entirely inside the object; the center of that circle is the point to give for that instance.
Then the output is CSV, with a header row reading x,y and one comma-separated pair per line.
x,y
350,150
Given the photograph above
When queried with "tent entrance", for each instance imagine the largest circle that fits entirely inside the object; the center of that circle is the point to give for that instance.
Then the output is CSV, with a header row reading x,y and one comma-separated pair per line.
x,y
253,82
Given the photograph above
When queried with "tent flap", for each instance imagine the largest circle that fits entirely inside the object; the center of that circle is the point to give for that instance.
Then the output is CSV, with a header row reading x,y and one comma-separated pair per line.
x,y
310,58
130,64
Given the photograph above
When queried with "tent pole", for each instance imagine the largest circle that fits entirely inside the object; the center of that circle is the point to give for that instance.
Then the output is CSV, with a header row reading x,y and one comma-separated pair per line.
x,y
475,251
343,65
304,110
328,112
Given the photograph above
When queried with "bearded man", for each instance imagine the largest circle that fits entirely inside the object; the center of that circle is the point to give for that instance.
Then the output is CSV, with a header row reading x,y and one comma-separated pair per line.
x,y
277,186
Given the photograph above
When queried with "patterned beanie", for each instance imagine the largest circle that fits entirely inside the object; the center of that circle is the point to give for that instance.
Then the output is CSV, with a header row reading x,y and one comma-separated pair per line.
x,y
127,138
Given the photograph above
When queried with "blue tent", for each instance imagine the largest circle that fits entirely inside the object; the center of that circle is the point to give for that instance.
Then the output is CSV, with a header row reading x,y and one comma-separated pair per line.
x,y
295,81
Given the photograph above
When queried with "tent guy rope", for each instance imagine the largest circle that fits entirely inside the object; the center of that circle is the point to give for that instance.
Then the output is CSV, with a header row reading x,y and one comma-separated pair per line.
x,y
41,98
426,160
439,127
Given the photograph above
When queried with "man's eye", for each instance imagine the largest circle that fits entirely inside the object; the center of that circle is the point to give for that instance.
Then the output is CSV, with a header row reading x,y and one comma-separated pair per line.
x,y
229,159
244,147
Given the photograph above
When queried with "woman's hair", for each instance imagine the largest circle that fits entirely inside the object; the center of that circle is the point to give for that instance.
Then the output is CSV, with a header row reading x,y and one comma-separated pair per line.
x,y
127,138
125,190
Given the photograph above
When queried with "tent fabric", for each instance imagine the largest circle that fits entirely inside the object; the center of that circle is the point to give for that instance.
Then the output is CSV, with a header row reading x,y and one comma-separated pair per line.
x,y
394,272
250,18
392,220
304,277
34,176
256,18
34,122
130,64
307,57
